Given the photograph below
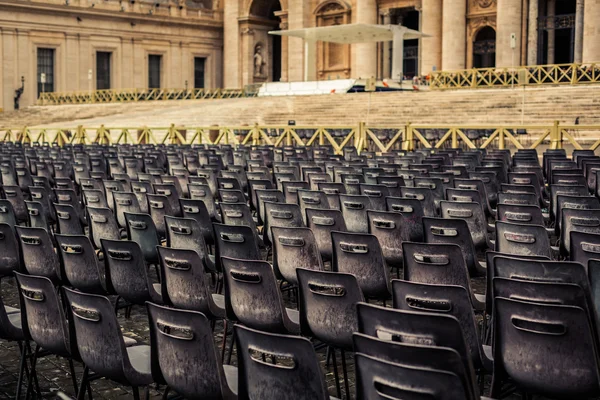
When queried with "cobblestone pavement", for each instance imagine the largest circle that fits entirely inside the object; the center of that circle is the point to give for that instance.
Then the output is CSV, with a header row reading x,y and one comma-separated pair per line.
x,y
53,372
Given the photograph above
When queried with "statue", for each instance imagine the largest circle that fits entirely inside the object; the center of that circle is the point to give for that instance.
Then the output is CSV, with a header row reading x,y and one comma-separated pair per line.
x,y
19,93
258,61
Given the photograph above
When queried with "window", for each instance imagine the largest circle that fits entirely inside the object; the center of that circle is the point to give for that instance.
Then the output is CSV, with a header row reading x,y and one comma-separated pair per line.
x,y
199,63
45,65
103,70
154,64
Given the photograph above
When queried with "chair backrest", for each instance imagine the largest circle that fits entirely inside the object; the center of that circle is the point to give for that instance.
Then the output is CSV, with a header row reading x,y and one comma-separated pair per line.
x,y
435,263
381,380
333,294
267,195
292,370
584,247
520,213
414,327
68,220
185,233
424,195
125,202
103,225
7,213
555,190
475,217
252,296
573,202
160,206
94,198
183,353
293,248
203,192
98,334
79,263
518,198
354,209
412,209
577,220
443,300
312,199
37,215
453,231
391,230
126,270
182,280
235,242
359,254
109,188
253,186
42,315
520,239
169,190
322,222
15,196
527,335
290,190
376,194
37,252
141,229
417,356
9,249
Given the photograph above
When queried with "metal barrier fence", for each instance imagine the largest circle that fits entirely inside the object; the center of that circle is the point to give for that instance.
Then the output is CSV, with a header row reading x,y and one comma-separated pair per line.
x,y
380,139
556,74
137,95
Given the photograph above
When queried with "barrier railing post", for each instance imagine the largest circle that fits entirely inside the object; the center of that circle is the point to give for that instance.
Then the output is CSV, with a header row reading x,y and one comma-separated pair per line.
x,y
255,135
501,144
555,136
408,144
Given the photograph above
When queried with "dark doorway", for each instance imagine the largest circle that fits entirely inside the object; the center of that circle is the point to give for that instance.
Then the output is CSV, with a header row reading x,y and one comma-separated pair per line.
x,y
45,65
411,47
154,71
484,48
199,66
103,70
561,25
275,43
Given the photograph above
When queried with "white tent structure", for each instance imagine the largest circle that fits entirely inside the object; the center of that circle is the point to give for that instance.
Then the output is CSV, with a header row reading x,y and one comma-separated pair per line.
x,y
352,33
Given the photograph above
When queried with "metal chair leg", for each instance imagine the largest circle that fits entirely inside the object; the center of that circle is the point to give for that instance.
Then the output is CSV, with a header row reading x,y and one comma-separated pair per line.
x,y
345,372
335,373
21,368
136,393
73,377
231,347
84,383
33,362
224,344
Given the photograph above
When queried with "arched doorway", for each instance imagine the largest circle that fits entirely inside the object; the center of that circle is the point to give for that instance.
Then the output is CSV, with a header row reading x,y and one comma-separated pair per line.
x,y
267,49
484,48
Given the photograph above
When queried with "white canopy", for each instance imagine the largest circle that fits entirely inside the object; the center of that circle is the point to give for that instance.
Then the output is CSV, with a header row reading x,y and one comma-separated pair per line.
x,y
352,33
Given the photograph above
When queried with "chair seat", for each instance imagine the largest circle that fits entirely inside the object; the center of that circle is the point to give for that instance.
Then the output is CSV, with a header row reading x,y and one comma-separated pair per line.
x,y
231,375
479,302
129,341
294,317
488,358
11,310
139,358
219,301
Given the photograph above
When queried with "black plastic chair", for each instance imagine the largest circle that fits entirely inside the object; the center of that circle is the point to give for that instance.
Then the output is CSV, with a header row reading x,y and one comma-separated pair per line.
x,y
37,216
11,329
322,222
445,300
360,255
101,344
252,297
333,294
412,210
573,202
312,199
127,272
439,264
80,264
185,233
476,220
239,214
263,196
141,229
160,206
454,231
577,220
521,239
520,214
203,193
37,253
391,230
184,356
43,321
354,209
378,379
68,220
15,196
102,224
584,247
527,335
425,197
235,242
196,209
125,202
292,372
94,198
293,248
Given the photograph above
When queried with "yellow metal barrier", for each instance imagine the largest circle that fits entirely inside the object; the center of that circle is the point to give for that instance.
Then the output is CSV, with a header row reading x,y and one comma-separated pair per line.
x,y
371,138
556,74
135,95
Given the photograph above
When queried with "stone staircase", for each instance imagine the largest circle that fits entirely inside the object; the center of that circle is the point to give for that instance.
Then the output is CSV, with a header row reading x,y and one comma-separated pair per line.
x,y
530,106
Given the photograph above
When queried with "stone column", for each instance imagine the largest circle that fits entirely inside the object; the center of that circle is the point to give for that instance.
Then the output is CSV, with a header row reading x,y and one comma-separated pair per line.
x,y
591,31
551,32
231,44
579,15
10,80
387,20
532,40
454,34
299,15
366,53
431,47
508,21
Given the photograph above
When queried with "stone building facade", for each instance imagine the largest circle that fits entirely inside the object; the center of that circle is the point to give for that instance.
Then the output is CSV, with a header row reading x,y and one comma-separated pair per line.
x,y
98,44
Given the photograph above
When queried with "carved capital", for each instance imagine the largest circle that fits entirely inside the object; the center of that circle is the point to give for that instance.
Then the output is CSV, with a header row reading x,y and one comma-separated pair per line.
x,y
247,31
